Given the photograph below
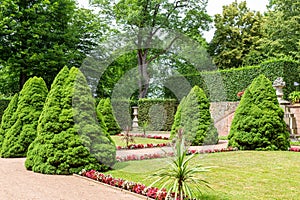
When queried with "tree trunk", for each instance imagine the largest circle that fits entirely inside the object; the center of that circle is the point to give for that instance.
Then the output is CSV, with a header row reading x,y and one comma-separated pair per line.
x,y
23,79
144,79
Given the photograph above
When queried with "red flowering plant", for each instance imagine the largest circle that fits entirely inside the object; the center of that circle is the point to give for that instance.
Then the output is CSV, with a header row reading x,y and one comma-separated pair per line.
x,y
138,188
142,146
295,149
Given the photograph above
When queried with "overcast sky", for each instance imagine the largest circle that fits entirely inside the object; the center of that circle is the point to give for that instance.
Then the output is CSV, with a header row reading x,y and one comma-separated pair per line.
x,y
215,7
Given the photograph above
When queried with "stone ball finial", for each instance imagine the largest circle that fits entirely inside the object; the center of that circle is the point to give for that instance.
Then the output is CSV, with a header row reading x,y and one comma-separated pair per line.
x,y
279,82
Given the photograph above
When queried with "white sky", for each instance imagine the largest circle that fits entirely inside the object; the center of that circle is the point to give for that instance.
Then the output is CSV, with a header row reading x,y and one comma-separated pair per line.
x,y
215,7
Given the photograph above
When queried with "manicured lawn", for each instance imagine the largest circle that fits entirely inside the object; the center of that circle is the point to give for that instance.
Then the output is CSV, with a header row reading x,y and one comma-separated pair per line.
x,y
138,140
295,143
235,175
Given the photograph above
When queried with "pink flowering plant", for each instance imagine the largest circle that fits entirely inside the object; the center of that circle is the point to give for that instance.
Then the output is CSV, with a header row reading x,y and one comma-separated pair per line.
x,y
138,188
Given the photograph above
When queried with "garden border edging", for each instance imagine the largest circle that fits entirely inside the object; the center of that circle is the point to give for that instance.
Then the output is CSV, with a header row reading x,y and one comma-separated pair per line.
x,y
115,188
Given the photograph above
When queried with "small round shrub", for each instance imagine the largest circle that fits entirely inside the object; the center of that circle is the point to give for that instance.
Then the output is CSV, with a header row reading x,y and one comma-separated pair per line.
x,y
258,121
30,104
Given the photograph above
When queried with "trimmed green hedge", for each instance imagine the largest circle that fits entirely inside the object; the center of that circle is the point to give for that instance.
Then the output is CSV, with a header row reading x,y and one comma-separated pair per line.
x,y
224,85
157,113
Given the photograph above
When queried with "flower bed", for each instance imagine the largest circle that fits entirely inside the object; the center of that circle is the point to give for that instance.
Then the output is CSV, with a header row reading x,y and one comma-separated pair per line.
x,y
295,149
148,136
138,188
170,154
142,146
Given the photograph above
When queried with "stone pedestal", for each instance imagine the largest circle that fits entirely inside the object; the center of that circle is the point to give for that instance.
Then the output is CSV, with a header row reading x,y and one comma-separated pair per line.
x,y
135,124
294,111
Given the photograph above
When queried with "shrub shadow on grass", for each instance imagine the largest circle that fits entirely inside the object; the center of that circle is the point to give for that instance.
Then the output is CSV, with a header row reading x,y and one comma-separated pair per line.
x,y
120,165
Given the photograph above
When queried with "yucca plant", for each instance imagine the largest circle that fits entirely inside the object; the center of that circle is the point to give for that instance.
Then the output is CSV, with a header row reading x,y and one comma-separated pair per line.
x,y
179,177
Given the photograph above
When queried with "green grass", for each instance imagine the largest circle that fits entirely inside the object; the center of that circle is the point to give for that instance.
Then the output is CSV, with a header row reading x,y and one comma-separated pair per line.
x,y
239,175
296,143
223,138
138,140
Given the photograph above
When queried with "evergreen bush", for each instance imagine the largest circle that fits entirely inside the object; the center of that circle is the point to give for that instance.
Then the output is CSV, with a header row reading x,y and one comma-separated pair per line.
x,y
105,111
4,101
195,119
258,121
69,137
9,117
30,104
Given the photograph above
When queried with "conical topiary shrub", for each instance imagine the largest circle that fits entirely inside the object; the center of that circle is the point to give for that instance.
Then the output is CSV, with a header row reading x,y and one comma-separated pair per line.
x,y
177,119
30,104
105,109
69,137
258,121
9,117
195,119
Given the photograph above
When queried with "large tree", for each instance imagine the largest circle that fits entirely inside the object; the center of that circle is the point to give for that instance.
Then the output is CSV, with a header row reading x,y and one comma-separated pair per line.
x,y
38,37
237,32
188,17
280,30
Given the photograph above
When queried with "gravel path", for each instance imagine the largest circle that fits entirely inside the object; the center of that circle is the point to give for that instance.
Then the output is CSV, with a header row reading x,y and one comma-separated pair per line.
x,y
141,152
16,183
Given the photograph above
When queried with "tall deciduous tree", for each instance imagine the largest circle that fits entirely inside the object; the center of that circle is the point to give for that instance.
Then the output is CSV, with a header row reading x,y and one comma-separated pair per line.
x,y
237,32
188,17
38,37
281,32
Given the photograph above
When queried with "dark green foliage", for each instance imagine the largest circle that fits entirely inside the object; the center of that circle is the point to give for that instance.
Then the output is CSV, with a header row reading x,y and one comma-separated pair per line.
x,y
40,37
195,119
30,104
258,121
105,111
3,105
69,136
9,117
286,68
158,113
236,80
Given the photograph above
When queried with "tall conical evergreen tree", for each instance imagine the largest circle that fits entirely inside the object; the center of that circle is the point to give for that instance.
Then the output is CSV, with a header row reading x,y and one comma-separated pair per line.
x,y
105,109
195,119
69,137
177,119
9,117
30,104
258,121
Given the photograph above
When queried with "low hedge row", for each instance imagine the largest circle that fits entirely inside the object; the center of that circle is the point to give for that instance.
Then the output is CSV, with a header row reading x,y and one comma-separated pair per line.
x,y
158,114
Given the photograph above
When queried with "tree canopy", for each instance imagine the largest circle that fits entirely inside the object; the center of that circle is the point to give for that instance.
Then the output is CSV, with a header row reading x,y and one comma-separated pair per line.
x,y
38,38
147,18
237,32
